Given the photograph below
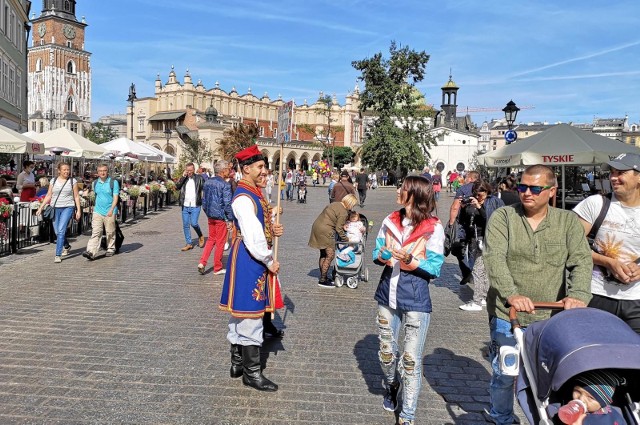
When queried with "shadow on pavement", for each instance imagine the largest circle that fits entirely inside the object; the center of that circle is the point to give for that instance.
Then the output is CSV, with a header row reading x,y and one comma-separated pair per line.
x,y
462,382
366,352
130,247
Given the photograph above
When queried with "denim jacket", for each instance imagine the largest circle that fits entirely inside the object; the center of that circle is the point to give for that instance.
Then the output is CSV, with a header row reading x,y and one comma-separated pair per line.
x,y
216,199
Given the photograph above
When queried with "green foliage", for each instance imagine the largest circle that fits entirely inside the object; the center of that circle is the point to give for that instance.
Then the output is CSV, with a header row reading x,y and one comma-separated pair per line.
x,y
196,150
474,164
342,154
100,133
236,139
398,136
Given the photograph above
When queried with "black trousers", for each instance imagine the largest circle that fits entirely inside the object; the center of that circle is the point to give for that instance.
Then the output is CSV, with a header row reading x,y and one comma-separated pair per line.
x,y
627,310
362,194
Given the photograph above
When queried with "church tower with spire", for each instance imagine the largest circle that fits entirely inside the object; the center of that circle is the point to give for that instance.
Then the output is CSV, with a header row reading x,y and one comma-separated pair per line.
x,y
59,70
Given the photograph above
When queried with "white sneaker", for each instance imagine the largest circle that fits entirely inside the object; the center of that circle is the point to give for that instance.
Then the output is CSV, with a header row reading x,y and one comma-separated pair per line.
x,y
226,246
483,302
471,306
57,260
221,271
65,251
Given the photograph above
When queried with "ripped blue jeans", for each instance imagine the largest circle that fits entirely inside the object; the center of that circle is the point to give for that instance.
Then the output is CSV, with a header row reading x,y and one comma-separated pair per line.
x,y
405,368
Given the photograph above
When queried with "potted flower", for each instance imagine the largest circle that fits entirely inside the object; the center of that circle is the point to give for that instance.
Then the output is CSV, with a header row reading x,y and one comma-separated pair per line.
x,y
6,209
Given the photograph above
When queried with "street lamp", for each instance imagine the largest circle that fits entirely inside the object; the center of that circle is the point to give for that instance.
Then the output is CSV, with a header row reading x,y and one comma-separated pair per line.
x,y
131,99
510,114
167,134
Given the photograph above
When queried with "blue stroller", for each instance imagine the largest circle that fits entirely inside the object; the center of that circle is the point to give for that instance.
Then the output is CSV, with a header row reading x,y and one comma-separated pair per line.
x,y
569,343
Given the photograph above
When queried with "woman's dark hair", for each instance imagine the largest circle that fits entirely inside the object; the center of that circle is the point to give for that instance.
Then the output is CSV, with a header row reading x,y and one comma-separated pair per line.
x,y
509,183
481,185
420,194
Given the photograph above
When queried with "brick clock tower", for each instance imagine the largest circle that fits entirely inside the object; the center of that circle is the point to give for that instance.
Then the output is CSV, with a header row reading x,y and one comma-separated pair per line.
x,y
59,70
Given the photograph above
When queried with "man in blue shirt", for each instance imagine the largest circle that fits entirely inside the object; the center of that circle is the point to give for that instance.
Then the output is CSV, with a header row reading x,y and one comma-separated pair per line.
x,y
104,213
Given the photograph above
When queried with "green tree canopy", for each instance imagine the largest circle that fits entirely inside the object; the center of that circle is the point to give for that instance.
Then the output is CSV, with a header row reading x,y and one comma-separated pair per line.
x,y
342,155
196,150
398,136
100,133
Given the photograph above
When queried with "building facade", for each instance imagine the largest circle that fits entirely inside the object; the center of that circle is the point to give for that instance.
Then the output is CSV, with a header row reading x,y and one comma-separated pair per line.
x,y
59,70
180,110
14,32
456,136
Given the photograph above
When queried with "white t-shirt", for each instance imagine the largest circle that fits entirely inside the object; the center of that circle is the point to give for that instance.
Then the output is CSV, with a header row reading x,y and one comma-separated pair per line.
x,y
619,238
66,193
190,193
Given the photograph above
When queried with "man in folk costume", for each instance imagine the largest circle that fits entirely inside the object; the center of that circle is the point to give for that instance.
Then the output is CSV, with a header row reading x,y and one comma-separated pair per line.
x,y
250,287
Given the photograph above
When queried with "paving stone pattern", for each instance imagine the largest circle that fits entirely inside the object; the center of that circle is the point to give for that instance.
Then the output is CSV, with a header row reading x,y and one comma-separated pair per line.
x,y
138,338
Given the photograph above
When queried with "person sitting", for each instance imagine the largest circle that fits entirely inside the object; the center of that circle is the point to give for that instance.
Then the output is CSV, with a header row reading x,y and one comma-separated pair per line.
x,y
43,183
5,190
355,230
595,390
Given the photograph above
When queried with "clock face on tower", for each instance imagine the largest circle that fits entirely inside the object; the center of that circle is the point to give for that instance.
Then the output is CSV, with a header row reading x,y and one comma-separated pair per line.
x,y
42,29
69,31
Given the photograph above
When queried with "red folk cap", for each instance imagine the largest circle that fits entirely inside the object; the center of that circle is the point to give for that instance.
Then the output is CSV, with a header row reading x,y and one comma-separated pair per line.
x,y
247,153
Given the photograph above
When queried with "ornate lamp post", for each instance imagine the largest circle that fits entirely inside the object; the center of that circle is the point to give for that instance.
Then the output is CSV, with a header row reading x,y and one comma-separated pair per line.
x,y
132,98
167,134
510,114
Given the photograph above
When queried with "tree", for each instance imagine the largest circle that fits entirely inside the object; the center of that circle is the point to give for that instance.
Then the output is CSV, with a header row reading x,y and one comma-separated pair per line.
x,y
474,164
325,134
398,135
236,139
342,155
100,133
196,150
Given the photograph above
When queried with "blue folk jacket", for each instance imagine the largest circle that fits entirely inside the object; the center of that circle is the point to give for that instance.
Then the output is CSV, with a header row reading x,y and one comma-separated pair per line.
x,y
216,199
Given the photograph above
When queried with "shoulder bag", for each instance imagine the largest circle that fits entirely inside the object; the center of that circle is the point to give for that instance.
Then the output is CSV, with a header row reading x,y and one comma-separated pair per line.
x,y
49,211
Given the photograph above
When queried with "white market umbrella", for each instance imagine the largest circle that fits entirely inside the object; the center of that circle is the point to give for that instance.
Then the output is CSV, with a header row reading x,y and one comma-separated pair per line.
x,y
126,147
560,145
15,143
74,145
166,158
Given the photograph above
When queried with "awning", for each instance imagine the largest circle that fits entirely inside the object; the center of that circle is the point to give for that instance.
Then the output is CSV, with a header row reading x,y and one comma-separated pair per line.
x,y
167,116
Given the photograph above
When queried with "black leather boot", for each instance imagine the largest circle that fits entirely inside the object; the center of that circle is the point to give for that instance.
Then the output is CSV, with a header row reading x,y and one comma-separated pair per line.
x,y
236,361
269,329
252,375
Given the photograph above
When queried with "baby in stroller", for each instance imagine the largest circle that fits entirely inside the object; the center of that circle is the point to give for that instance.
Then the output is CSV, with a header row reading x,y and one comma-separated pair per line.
x,y
355,230
592,398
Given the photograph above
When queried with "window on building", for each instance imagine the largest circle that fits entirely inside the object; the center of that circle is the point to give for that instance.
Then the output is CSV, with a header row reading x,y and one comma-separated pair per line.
x,y
18,89
261,131
69,44
5,18
33,126
41,127
73,127
70,106
71,67
141,124
5,78
12,87
39,65
10,28
67,6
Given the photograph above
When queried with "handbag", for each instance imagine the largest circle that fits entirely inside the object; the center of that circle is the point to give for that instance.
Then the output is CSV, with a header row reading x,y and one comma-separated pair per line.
x,y
48,213
450,237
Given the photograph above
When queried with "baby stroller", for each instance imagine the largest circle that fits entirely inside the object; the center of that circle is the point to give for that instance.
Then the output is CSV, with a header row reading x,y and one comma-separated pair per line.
x,y
302,194
353,270
569,343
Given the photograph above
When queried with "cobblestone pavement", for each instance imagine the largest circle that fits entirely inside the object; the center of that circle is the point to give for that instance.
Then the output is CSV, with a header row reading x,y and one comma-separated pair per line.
x,y
138,339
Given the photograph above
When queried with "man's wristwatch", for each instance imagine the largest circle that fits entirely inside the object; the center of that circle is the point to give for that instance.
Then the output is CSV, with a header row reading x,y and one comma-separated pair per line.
x,y
408,259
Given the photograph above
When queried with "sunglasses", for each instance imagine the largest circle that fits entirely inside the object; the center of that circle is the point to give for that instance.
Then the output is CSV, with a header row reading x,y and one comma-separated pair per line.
x,y
535,190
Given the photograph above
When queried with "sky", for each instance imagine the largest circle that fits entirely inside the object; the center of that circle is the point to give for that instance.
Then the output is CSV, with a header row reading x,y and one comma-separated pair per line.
x,y
562,61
